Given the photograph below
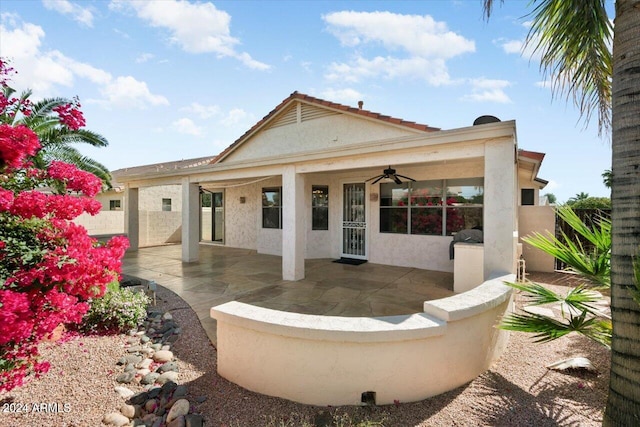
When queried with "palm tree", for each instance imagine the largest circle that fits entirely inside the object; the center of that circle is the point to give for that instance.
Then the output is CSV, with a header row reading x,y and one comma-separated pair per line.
x,y
578,197
56,140
606,178
574,36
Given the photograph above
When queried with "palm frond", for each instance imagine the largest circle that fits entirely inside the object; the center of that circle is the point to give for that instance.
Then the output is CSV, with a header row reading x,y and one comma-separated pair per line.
x,y
547,329
594,264
71,155
574,39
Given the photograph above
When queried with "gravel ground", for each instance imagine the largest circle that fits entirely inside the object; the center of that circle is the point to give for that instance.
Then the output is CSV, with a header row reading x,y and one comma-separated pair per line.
x,y
517,391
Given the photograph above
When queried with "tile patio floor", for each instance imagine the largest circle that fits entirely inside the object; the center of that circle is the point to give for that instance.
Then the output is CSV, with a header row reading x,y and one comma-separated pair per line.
x,y
225,274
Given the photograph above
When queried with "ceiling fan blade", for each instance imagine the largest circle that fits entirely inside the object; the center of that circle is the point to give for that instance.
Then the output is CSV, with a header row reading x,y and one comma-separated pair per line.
x,y
405,177
379,178
396,179
374,177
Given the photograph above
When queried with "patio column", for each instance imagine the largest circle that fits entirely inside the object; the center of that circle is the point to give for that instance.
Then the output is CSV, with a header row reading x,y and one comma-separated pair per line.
x,y
500,195
190,220
131,217
293,224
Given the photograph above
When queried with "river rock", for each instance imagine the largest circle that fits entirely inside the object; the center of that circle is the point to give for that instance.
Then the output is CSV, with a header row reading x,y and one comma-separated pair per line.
x,y
169,366
167,316
194,420
162,356
128,411
139,399
144,364
150,378
115,419
124,392
150,405
126,377
178,422
167,376
179,408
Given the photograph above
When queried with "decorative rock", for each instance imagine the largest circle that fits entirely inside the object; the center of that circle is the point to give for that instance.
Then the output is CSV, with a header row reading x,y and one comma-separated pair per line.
x,y
154,392
144,339
139,398
144,364
150,405
133,358
180,391
173,338
151,419
132,340
129,368
142,372
128,411
201,399
178,422
126,377
148,352
121,361
134,349
167,376
115,419
194,420
180,408
162,356
156,346
150,378
166,347
168,388
169,366
124,392
167,316
157,422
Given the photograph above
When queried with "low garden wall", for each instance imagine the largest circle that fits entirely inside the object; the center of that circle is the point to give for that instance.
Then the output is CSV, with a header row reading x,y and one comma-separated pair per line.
x,y
329,360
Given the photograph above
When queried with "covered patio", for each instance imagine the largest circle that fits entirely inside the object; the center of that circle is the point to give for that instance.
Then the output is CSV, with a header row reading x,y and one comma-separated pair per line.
x,y
224,274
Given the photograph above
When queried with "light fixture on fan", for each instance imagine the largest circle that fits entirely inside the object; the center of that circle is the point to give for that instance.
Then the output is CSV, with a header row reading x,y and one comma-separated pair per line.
x,y
389,173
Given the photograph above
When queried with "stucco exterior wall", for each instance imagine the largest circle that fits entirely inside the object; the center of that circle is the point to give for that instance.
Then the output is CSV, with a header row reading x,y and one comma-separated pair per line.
x,y
540,219
158,228
316,134
327,360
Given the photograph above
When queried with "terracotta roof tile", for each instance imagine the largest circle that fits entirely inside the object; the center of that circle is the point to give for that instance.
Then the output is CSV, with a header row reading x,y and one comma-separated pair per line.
x,y
310,99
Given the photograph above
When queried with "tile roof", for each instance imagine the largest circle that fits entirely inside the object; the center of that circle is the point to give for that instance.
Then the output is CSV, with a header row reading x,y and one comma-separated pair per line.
x,y
328,104
533,155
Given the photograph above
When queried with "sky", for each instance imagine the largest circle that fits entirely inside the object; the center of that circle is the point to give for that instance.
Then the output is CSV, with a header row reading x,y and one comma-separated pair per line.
x,y
167,80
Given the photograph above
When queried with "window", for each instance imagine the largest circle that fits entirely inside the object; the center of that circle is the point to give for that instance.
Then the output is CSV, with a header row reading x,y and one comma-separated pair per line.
x,y
272,208
114,205
431,207
166,205
527,196
319,207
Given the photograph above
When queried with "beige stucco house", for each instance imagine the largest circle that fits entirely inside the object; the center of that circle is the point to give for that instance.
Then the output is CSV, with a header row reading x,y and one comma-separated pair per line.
x,y
301,183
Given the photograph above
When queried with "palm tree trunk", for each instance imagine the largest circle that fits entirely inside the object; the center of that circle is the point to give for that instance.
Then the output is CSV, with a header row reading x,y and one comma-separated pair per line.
x,y
623,405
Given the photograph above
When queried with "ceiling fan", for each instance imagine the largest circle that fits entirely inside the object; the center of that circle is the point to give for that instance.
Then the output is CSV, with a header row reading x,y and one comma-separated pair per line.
x,y
389,173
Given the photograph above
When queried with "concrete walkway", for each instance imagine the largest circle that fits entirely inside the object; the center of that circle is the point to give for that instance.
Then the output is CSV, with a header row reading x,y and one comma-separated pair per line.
x,y
225,274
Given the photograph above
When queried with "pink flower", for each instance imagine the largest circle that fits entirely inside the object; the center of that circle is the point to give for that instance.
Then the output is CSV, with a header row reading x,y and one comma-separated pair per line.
x,y
16,144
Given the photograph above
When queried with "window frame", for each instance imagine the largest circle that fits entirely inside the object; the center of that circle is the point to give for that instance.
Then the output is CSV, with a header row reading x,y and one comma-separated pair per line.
x,y
113,203
324,225
278,207
165,204
407,211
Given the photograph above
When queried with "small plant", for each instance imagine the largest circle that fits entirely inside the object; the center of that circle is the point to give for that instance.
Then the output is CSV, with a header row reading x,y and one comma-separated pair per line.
x,y
120,309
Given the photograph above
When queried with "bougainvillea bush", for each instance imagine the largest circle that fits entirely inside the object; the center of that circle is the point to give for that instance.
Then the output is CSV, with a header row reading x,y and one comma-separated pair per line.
x,y
49,266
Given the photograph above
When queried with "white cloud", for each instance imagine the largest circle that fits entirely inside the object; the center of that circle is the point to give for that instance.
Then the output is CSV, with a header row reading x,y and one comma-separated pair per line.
x,y
418,35
518,47
186,126
345,96
488,90
234,116
78,13
202,111
43,71
196,28
434,71
144,57
127,92
418,46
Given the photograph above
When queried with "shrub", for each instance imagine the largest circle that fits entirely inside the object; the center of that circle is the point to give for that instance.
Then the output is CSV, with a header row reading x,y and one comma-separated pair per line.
x,y
118,310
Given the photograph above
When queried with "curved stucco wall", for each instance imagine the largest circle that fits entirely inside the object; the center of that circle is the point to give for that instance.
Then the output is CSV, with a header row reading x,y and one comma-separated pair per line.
x,y
327,360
